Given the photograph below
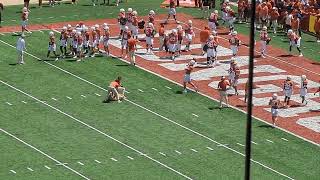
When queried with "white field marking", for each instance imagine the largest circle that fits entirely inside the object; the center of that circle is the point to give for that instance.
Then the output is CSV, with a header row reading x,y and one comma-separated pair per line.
x,y
13,171
210,148
30,169
97,130
113,159
168,87
68,97
97,94
284,139
24,102
240,144
40,31
13,20
178,152
63,16
15,33
140,90
233,107
269,141
61,164
223,145
76,15
131,158
43,153
9,103
47,167
54,99
165,118
97,161
80,163
83,96
154,89
194,150
195,115
1,34
254,143
127,91
279,59
38,18
163,154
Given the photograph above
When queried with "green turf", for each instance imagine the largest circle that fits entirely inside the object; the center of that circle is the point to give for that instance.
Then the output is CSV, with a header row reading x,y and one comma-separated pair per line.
x,y
71,142
136,127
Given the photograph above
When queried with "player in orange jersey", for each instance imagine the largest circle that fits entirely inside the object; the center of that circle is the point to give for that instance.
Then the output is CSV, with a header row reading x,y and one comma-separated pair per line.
x,y
52,45
150,32
132,46
189,33
134,26
122,20
181,35
105,40
151,16
172,43
24,19
213,21
63,42
124,41
234,43
274,15
187,76
161,32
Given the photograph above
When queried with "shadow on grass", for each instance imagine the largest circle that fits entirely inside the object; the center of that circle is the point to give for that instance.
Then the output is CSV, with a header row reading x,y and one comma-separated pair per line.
x,y
13,64
285,55
241,106
179,92
122,65
216,108
266,126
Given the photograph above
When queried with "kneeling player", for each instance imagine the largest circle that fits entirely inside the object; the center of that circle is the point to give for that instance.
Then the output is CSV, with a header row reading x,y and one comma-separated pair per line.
x,y
115,91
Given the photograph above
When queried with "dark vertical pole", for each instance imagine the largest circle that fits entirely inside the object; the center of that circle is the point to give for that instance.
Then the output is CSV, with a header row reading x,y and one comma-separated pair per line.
x,y
249,105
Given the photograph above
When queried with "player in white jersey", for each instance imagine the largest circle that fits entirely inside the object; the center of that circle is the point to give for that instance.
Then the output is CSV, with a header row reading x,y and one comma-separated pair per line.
x,y
288,91
303,89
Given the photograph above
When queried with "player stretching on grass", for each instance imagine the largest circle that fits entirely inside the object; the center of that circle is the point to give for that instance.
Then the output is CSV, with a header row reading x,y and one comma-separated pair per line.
x,y
115,91
275,104
187,76
52,45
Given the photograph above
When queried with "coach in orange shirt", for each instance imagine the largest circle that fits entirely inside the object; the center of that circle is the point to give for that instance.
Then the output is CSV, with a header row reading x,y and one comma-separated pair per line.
x,y
132,42
222,87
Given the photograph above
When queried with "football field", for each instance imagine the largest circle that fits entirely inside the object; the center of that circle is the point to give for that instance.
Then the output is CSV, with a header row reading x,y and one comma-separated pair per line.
x,y
55,126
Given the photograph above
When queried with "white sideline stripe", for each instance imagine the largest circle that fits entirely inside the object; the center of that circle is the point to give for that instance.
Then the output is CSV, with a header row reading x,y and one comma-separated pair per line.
x,y
194,150
140,90
97,130
223,145
47,167
83,96
43,153
269,141
178,152
254,143
80,163
113,159
163,154
131,158
69,97
240,144
54,99
40,31
154,89
195,115
13,20
24,102
97,94
284,139
9,103
97,161
210,148
168,87
127,91
1,34
15,33
61,164
13,171
30,169
186,128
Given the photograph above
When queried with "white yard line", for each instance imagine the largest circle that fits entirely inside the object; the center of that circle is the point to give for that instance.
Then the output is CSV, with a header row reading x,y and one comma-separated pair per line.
x,y
97,161
168,87
140,90
43,153
284,139
163,154
47,167
113,159
30,169
210,148
194,150
195,115
254,143
97,94
1,34
24,102
14,172
54,99
68,97
269,141
99,131
83,96
154,89
165,118
9,103
178,152
80,163
131,158
240,144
